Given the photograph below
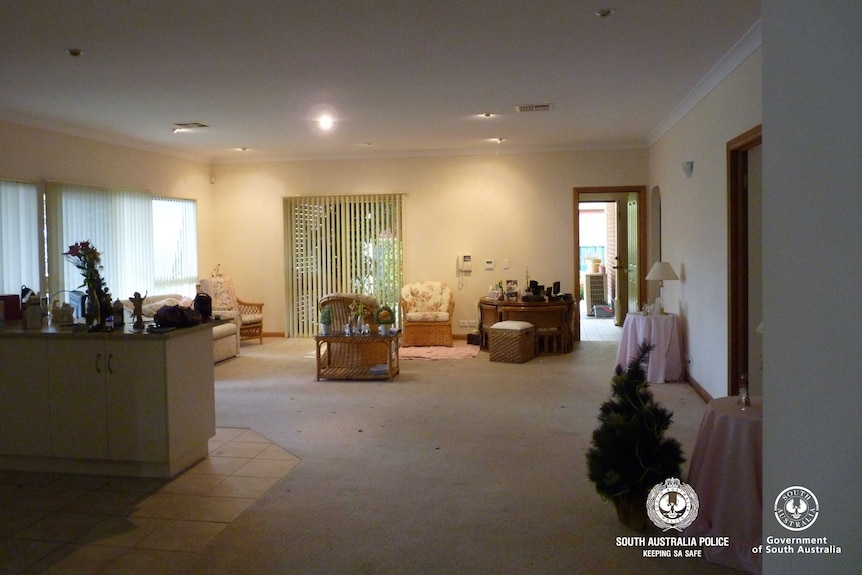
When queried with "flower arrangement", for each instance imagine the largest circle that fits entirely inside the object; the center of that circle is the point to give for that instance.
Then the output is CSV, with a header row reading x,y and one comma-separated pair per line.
x,y
384,315
89,261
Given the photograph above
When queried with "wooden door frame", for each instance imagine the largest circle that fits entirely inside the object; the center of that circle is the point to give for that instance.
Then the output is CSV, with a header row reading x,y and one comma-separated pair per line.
x,y
737,255
641,192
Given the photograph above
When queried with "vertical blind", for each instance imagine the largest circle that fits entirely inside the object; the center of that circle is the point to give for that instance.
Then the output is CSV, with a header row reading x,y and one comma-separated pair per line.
x,y
19,236
346,244
119,223
175,245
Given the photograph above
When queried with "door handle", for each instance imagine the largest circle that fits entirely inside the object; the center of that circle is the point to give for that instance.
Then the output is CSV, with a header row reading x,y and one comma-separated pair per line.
x,y
110,360
98,363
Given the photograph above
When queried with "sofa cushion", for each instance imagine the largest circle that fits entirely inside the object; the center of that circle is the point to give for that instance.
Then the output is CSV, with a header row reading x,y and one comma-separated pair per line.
x,y
224,330
427,316
427,297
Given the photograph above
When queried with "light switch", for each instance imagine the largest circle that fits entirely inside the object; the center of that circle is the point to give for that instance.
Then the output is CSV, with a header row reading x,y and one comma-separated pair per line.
x,y
505,264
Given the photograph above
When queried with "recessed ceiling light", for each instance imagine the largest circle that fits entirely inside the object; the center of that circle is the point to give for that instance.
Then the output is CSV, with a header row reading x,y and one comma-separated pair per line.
x,y
241,149
326,122
487,115
605,12
74,52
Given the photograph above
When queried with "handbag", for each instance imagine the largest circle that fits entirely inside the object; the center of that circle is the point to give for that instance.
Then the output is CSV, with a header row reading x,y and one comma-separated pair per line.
x,y
203,304
176,316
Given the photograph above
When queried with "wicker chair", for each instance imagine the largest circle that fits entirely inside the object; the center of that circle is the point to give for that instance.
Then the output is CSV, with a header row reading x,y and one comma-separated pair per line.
x,y
347,355
428,308
220,289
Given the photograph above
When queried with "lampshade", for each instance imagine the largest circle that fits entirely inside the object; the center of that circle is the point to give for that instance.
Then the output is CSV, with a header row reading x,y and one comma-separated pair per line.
x,y
662,271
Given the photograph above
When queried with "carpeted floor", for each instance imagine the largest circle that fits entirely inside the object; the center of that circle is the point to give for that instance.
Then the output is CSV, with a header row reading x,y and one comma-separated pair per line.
x,y
456,467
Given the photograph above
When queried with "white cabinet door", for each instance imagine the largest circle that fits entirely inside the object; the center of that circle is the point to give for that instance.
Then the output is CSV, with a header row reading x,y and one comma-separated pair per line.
x,y
24,392
77,369
136,411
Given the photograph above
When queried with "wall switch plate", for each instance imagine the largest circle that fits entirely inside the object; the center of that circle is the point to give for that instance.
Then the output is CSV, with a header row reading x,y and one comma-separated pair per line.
x,y
489,264
505,264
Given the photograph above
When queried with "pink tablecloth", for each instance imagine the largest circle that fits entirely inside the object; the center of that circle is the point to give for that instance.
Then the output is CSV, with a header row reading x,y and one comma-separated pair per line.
x,y
725,471
665,360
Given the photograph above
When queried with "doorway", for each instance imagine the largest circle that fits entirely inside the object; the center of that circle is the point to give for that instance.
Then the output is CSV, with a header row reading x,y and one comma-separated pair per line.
x,y
745,306
623,259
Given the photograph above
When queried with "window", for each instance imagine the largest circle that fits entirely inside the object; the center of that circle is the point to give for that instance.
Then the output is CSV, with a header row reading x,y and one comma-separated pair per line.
x,y
148,245
175,245
19,236
340,244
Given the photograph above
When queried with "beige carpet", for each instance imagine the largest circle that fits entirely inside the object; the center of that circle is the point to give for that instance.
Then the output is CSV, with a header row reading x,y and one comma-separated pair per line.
x,y
456,467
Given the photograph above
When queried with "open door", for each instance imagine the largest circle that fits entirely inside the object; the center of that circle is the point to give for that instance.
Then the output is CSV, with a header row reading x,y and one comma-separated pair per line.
x,y
631,256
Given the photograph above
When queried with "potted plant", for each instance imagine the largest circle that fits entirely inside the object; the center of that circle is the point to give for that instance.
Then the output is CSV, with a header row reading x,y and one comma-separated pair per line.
x,y
384,318
629,453
325,320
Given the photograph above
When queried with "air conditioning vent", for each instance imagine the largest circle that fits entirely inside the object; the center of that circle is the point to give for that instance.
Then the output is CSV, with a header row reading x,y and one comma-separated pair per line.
x,y
190,125
534,108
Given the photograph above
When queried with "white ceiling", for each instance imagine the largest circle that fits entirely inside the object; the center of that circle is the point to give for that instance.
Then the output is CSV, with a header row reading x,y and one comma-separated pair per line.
x,y
401,78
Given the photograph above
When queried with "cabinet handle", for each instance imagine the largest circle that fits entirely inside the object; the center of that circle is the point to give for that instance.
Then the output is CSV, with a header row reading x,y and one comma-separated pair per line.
x,y
98,364
110,358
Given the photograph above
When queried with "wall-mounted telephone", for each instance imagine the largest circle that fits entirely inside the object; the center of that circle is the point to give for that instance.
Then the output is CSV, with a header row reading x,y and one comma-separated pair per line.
x,y
465,263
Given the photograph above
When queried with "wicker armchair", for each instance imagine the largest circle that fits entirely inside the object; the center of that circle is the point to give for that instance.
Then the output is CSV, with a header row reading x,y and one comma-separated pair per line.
x,y
220,289
428,308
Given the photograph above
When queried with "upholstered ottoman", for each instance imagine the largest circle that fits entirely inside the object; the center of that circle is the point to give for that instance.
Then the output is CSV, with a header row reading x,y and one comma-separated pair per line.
x,y
512,341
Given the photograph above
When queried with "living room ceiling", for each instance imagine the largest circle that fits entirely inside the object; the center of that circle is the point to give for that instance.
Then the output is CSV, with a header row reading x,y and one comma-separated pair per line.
x,y
399,78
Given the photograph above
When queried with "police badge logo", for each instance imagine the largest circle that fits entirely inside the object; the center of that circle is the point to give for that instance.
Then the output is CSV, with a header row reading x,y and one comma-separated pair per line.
x,y
672,505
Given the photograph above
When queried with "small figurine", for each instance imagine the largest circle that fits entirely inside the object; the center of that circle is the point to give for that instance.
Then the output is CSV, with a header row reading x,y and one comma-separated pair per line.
x,y
137,311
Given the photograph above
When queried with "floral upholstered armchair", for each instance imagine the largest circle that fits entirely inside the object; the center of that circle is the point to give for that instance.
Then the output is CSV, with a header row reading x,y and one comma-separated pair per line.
x,y
220,289
428,308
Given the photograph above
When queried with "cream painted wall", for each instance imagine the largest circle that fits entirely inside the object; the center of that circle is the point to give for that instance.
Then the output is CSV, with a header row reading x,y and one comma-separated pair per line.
x,y
509,206
36,155
694,215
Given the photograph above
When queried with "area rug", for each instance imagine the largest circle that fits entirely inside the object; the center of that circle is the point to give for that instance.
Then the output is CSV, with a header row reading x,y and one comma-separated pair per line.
x,y
460,350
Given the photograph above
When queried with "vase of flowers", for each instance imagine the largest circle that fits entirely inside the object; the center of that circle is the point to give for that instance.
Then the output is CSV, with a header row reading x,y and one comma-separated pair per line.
x,y
88,260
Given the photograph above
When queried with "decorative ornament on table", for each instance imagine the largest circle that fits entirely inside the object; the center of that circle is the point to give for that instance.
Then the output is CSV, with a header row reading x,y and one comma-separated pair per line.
x,y
384,318
88,260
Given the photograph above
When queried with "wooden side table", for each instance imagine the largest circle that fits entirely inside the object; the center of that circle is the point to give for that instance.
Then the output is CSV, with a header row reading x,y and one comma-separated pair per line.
x,y
357,356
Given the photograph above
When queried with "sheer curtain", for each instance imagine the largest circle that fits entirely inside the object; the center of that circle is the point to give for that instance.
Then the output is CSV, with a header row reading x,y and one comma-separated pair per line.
x,y
340,244
19,236
118,223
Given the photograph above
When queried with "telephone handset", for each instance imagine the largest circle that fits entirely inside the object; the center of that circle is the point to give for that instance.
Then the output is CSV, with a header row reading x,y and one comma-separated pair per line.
x,y
465,263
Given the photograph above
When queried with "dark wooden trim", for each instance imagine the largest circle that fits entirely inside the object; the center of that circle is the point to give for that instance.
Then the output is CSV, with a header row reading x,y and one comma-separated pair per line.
x,y
737,255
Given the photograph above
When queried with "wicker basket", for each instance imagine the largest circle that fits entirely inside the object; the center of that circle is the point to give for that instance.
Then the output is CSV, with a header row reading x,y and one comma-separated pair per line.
x,y
512,341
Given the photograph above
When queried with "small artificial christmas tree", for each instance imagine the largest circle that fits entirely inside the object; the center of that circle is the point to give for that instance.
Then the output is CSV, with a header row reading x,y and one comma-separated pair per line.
x,y
629,453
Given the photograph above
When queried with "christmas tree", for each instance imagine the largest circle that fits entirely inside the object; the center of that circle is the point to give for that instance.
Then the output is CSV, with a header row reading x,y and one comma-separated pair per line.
x,y
630,453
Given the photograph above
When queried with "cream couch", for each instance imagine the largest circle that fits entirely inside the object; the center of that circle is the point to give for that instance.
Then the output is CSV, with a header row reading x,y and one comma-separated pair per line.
x,y
225,335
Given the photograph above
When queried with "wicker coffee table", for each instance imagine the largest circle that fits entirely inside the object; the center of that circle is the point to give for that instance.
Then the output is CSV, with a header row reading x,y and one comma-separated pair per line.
x,y
357,356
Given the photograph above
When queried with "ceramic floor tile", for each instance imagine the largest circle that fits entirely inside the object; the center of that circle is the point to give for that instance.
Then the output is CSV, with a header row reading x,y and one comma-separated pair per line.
x,y
251,436
182,536
18,554
218,509
192,484
239,449
59,526
120,531
136,484
48,498
104,502
276,452
228,433
219,465
149,562
267,468
12,523
247,487
78,560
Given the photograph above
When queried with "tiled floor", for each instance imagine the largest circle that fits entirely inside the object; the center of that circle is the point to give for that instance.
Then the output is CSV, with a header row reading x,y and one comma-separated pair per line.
x,y
599,329
83,524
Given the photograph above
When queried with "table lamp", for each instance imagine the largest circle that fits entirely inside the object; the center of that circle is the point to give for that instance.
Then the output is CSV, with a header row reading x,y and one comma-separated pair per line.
x,y
661,271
